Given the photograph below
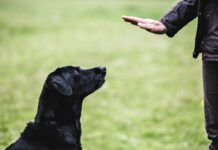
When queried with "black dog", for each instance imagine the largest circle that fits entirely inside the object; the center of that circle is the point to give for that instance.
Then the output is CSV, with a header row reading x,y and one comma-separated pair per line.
x,y
57,122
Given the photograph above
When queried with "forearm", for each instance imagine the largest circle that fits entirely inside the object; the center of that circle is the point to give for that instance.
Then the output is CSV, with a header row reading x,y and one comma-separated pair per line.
x,y
179,16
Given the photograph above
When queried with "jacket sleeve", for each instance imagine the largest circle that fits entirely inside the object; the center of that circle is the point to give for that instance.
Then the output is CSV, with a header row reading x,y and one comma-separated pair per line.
x,y
179,16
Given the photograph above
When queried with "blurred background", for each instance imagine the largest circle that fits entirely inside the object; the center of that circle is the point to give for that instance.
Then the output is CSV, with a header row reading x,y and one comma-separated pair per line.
x,y
152,98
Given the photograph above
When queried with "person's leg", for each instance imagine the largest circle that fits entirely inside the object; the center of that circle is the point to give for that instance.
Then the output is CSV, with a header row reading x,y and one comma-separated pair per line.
x,y
210,81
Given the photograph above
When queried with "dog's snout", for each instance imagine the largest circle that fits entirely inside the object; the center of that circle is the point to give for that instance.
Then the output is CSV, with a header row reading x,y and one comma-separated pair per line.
x,y
102,69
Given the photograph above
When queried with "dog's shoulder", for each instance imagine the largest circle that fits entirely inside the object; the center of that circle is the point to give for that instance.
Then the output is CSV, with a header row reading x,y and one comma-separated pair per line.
x,y
29,140
50,135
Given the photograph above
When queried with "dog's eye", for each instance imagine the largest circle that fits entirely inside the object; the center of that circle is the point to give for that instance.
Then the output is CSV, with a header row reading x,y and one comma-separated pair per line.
x,y
76,72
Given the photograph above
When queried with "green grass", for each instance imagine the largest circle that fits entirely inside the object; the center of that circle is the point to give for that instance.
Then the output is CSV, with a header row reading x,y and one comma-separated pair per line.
x,y
152,99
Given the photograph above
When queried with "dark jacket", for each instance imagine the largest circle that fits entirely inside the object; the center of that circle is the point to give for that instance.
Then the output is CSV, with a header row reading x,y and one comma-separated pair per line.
x,y
184,12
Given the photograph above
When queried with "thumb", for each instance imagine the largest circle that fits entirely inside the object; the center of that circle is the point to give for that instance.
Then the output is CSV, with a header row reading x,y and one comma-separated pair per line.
x,y
145,26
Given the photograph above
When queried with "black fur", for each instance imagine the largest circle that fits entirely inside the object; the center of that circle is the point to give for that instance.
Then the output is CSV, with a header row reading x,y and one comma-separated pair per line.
x,y
57,122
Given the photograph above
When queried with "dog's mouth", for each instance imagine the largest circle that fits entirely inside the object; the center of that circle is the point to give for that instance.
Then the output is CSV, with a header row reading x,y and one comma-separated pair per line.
x,y
101,80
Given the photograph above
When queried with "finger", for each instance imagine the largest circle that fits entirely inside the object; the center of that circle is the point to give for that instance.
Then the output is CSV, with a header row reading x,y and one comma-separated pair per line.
x,y
141,20
130,19
137,19
151,28
134,19
133,22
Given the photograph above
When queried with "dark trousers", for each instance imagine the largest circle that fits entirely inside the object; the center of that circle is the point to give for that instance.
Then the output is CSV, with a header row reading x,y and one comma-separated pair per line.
x,y
210,82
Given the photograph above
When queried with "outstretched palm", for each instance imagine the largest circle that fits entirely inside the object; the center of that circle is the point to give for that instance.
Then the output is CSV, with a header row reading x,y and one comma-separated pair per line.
x,y
150,25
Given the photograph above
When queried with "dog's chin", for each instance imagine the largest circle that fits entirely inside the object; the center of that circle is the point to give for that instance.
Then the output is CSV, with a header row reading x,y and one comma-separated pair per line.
x,y
98,85
100,81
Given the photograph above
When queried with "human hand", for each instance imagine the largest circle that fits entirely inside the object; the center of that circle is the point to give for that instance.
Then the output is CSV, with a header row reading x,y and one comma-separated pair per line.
x,y
150,25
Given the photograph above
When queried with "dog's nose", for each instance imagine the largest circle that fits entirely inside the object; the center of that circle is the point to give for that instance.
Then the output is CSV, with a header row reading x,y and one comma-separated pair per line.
x,y
102,70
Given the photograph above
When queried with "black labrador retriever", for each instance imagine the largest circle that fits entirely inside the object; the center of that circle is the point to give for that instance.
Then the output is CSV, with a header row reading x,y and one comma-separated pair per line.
x,y
57,122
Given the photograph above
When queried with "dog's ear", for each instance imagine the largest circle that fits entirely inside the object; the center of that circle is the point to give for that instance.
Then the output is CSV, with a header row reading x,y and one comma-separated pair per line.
x,y
58,83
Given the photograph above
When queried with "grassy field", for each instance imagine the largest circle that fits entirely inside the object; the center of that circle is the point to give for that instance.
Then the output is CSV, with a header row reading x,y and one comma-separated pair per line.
x,y
152,99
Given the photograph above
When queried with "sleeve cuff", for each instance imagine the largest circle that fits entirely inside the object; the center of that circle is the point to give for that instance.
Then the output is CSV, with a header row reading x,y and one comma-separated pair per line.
x,y
171,30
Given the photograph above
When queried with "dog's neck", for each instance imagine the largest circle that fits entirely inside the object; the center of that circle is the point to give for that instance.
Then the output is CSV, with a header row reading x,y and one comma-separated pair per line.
x,y
58,119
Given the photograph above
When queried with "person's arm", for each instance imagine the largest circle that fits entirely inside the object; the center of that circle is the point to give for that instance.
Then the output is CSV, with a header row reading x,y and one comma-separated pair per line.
x,y
172,22
184,12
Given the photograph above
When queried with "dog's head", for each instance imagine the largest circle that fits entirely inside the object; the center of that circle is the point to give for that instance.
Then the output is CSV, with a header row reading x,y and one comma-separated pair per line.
x,y
74,81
